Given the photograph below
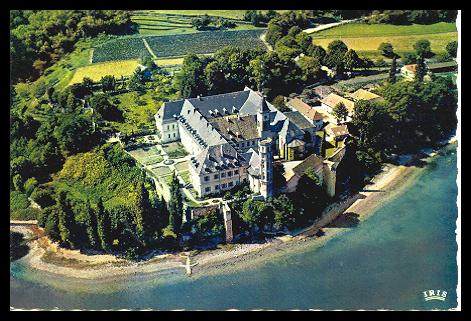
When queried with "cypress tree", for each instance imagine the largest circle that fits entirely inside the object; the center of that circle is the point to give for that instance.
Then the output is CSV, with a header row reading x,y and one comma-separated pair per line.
x,y
392,71
421,69
175,205
66,221
103,226
52,223
91,226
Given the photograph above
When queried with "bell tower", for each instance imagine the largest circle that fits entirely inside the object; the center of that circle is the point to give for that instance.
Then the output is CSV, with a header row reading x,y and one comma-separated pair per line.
x,y
263,119
266,167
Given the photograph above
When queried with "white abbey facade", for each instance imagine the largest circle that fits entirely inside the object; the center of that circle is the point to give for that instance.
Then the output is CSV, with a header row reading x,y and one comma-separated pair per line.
x,y
232,139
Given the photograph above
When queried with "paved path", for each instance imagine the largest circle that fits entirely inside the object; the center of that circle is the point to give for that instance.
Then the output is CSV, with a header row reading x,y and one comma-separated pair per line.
x,y
16,222
328,25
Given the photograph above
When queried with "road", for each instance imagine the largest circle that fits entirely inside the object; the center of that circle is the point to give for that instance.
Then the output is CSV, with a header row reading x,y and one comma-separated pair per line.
x,y
328,25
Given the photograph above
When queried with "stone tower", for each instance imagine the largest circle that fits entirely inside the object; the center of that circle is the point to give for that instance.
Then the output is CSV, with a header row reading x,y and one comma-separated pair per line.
x,y
263,119
266,167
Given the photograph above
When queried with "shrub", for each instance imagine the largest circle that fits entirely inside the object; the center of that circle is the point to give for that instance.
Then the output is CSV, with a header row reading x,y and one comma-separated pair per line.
x,y
44,197
18,201
30,185
26,214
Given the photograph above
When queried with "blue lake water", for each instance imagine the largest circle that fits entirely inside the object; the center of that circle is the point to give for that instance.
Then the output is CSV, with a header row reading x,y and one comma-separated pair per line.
x,y
386,262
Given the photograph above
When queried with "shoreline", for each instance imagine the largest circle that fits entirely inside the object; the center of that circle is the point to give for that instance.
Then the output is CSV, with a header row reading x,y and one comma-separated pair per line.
x,y
384,186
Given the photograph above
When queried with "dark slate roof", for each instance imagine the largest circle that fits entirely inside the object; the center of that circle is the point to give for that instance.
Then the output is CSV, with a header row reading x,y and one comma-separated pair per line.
x,y
240,128
263,106
338,155
216,158
201,130
313,161
296,143
245,102
171,108
298,119
290,131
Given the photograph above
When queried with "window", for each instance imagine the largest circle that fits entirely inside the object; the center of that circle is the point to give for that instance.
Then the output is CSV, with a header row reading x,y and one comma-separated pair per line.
x,y
229,173
168,135
173,134
223,175
224,185
216,176
216,187
207,189
206,178
231,184
236,171
243,144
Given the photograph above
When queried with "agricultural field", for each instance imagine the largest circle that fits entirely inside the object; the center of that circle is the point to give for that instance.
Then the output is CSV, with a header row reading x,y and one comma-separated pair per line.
x,y
365,38
203,42
96,71
174,22
229,14
169,62
124,48
60,74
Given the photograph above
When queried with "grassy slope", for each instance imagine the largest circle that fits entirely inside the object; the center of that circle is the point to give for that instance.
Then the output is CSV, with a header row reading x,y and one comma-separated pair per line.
x,y
365,39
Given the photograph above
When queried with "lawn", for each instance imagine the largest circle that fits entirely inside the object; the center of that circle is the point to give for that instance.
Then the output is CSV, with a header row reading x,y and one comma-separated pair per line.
x,y
96,71
365,39
175,150
368,30
147,155
161,171
182,166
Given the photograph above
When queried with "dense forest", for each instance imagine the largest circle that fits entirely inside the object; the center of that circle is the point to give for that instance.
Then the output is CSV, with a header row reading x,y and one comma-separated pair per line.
x,y
39,38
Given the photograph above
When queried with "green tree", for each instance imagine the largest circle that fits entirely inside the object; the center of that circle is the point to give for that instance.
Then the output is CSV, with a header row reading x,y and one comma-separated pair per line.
x,y
310,68
104,108
422,48
409,59
340,112
284,212
91,226
52,223
75,134
392,71
66,222
421,69
452,48
191,79
103,226
108,83
316,52
387,50
351,60
175,205
279,103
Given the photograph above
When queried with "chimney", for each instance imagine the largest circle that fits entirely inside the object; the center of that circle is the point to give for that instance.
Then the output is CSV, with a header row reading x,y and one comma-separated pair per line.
x,y
237,134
